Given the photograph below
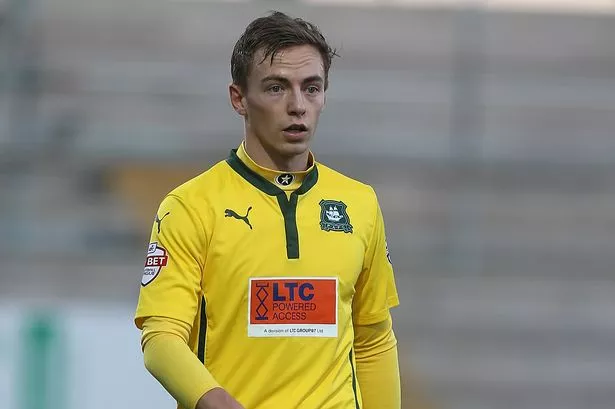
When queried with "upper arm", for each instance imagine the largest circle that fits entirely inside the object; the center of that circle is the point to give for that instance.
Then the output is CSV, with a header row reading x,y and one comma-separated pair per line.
x,y
173,269
376,291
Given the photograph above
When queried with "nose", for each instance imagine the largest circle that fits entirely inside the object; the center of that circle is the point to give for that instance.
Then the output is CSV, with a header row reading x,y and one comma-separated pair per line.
x,y
296,104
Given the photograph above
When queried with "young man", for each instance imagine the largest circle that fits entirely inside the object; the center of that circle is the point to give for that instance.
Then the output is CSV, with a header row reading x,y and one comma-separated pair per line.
x,y
267,281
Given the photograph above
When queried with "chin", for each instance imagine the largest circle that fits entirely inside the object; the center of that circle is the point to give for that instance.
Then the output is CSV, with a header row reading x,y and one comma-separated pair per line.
x,y
294,148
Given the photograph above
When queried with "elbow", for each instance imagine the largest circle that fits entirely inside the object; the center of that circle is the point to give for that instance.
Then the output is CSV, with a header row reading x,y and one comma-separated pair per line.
x,y
154,350
379,346
148,357
374,340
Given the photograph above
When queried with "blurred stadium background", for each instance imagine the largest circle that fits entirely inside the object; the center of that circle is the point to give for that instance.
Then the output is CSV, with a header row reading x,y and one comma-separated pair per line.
x,y
486,127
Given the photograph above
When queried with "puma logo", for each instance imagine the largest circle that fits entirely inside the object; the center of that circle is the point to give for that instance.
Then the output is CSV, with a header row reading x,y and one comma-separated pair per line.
x,y
158,220
232,213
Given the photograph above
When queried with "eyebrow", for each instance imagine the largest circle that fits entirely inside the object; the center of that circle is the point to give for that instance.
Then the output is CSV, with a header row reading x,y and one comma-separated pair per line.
x,y
278,78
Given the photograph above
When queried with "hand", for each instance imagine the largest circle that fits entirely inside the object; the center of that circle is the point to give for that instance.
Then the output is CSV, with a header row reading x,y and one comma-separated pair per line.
x,y
218,398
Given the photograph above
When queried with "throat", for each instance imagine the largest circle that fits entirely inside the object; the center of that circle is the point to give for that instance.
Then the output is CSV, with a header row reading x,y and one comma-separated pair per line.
x,y
272,159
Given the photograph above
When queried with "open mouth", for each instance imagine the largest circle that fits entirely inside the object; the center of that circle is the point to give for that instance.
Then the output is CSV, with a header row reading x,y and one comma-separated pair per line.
x,y
296,129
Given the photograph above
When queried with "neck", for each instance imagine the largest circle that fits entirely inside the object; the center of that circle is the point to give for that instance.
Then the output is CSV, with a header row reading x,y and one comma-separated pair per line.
x,y
271,160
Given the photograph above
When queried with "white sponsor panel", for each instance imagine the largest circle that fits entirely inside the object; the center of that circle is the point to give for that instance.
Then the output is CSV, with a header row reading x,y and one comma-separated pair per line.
x,y
292,330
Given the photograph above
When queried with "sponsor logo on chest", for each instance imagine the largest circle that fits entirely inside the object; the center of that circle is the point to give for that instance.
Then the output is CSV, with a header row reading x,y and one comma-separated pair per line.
x,y
292,307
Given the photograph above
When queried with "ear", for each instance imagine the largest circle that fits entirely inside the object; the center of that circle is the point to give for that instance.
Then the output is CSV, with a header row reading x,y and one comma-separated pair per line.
x,y
237,99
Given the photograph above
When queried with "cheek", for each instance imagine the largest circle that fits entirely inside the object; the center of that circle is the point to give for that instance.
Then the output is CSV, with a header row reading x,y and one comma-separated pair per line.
x,y
318,104
264,114
267,109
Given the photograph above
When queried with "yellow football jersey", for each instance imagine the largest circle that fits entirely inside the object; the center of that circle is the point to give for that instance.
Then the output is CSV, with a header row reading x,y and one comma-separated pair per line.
x,y
272,279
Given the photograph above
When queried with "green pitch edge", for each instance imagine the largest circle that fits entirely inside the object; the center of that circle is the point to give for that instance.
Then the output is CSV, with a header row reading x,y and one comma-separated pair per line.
x,y
42,363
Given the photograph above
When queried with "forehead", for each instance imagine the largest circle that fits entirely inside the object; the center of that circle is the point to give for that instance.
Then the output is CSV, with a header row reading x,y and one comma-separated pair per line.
x,y
293,63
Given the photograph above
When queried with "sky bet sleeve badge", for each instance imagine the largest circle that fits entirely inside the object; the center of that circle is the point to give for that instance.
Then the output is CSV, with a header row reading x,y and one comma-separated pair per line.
x,y
334,217
154,262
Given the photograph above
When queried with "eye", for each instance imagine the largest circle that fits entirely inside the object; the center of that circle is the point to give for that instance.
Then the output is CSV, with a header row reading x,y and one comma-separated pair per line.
x,y
274,89
313,89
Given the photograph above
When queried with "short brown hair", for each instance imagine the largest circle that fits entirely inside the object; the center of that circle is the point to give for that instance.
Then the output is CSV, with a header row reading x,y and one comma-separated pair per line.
x,y
272,34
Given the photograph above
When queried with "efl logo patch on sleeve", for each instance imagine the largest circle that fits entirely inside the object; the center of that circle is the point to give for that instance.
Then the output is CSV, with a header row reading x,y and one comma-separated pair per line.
x,y
154,262
386,248
292,307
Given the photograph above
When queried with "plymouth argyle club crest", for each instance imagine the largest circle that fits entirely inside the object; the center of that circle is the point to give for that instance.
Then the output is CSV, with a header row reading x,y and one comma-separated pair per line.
x,y
334,217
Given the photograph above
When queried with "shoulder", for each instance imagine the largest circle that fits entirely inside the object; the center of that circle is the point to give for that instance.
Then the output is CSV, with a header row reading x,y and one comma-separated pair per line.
x,y
202,186
332,180
195,197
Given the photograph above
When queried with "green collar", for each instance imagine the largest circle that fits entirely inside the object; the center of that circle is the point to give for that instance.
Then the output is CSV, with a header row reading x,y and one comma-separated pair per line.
x,y
263,184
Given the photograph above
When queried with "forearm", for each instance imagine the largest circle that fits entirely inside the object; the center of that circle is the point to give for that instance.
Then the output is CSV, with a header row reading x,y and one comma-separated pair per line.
x,y
378,377
169,359
179,371
377,365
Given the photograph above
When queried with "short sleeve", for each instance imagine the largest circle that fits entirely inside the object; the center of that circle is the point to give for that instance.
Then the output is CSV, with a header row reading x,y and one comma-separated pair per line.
x,y
375,290
171,282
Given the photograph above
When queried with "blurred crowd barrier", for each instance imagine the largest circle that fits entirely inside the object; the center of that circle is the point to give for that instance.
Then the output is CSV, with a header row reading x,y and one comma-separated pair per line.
x,y
488,134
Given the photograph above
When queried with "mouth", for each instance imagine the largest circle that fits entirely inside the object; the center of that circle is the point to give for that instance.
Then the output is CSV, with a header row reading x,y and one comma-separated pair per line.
x,y
296,130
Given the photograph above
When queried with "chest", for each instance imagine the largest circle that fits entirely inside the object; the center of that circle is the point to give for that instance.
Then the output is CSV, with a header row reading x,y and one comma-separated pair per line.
x,y
258,235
